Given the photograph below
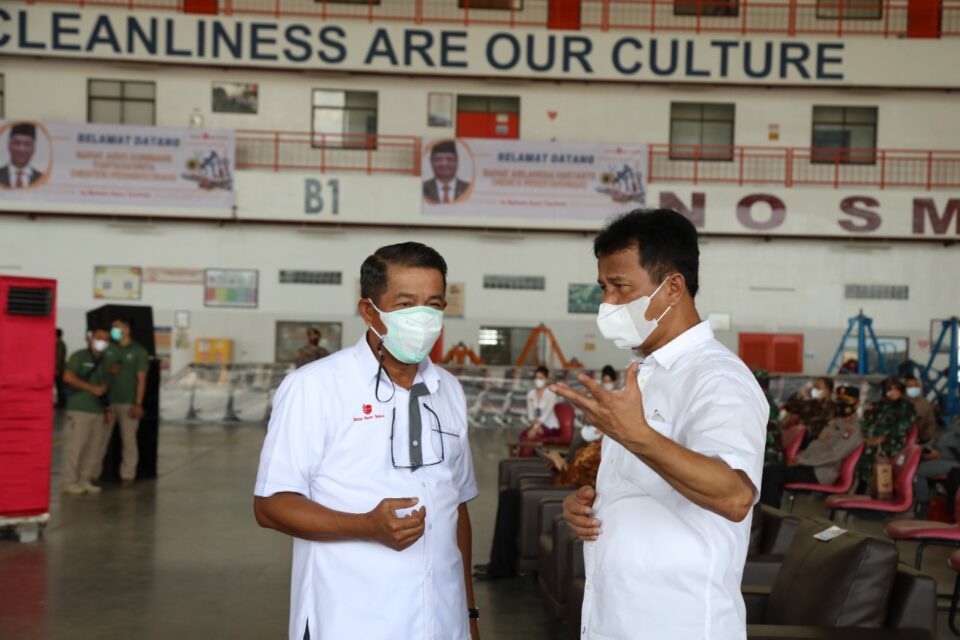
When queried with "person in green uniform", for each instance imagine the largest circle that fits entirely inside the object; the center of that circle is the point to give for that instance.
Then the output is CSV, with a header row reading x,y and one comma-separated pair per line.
x,y
773,451
885,427
86,375
127,364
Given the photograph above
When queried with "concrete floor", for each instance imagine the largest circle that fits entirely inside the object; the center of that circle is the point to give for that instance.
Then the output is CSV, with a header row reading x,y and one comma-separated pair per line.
x,y
181,557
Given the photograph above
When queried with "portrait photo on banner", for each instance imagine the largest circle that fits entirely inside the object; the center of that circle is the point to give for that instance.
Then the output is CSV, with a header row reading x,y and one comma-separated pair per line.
x,y
26,154
451,174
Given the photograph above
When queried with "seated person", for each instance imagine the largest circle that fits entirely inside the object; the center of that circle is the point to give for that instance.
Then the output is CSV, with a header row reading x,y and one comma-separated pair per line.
x,y
540,412
813,407
608,377
926,413
939,457
885,427
820,462
579,468
773,452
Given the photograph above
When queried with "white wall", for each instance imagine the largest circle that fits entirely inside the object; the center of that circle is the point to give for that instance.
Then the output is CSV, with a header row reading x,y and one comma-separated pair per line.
x,y
67,250
57,91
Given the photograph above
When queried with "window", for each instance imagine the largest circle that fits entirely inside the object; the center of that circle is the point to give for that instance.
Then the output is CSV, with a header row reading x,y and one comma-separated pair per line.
x,y
701,130
516,5
310,277
344,119
876,292
722,8
844,134
851,9
121,102
502,346
523,283
488,117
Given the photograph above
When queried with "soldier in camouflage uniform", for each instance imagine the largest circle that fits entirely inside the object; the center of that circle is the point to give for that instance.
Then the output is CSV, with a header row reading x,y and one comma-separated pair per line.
x,y
885,428
813,408
773,452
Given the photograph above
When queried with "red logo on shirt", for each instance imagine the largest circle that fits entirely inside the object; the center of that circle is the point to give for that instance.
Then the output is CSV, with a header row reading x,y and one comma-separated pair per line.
x,y
368,414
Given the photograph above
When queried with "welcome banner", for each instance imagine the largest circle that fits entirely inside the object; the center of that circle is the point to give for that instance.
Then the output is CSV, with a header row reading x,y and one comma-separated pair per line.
x,y
116,165
519,179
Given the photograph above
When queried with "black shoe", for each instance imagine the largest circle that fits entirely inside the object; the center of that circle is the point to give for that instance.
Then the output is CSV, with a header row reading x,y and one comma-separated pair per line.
x,y
481,570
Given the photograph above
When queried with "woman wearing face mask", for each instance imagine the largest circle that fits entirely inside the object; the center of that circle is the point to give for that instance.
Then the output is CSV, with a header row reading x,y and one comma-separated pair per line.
x,y
540,405
561,464
885,428
578,468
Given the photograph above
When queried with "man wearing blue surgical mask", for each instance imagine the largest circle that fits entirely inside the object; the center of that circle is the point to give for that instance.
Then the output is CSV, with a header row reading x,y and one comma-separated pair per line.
x,y
667,527
366,464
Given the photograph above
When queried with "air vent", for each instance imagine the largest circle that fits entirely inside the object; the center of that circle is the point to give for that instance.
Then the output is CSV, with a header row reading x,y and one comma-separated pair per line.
x,y
877,292
310,277
528,283
29,301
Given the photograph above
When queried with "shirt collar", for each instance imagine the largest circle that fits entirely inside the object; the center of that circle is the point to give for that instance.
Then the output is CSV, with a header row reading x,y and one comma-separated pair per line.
x,y
369,365
683,343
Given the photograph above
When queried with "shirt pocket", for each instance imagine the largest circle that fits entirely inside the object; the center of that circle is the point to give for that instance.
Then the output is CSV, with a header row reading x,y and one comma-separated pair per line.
x,y
638,473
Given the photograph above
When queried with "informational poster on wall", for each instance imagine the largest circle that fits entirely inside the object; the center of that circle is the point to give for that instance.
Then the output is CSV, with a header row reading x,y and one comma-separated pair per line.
x,y
117,283
521,179
584,297
235,288
456,299
116,165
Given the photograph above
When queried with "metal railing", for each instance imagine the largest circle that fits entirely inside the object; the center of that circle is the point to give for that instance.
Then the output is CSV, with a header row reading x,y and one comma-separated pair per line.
x,y
296,151
785,166
886,18
790,166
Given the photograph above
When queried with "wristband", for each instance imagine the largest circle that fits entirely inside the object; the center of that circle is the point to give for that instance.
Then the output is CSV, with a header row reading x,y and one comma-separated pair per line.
x,y
474,613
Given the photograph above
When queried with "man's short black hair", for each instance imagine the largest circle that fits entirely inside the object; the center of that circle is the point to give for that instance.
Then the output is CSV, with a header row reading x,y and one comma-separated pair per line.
x,y
373,271
542,369
444,146
24,129
124,320
910,378
893,383
608,371
666,241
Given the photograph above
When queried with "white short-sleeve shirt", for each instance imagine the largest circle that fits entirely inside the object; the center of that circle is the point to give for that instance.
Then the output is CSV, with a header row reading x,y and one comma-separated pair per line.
x,y
329,440
664,568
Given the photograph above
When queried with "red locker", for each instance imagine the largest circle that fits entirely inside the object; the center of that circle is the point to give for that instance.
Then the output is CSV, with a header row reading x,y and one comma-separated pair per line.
x,y
775,352
27,353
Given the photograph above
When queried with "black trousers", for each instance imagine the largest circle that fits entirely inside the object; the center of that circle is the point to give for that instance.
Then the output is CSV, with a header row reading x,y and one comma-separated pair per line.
x,y
504,551
774,479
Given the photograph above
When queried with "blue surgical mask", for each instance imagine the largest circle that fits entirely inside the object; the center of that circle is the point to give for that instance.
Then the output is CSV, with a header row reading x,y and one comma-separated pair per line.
x,y
411,333
913,392
116,334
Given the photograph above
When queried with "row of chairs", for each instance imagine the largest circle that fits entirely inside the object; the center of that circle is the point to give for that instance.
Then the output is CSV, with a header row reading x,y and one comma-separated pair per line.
x,y
793,585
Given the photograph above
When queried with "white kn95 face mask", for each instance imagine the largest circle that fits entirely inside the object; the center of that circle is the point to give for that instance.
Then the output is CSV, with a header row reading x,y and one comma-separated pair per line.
x,y
626,325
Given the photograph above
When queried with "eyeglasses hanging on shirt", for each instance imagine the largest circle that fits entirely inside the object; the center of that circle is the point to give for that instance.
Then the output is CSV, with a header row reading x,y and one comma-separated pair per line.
x,y
415,432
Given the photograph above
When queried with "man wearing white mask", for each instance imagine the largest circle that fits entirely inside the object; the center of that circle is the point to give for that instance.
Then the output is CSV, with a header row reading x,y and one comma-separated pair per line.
x,y
87,408
366,464
668,525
